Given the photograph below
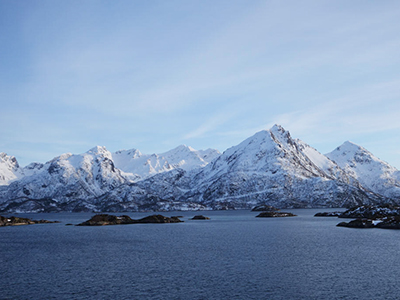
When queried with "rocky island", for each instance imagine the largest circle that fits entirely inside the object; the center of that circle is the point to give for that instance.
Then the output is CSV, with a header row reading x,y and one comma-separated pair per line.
x,y
369,216
274,214
200,217
15,221
268,211
328,214
105,219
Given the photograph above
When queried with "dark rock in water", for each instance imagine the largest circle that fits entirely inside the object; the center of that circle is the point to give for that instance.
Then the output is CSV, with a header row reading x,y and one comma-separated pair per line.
x,y
274,214
373,216
15,221
329,214
372,212
159,219
105,219
45,222
265,207
392,222
358,223
200,217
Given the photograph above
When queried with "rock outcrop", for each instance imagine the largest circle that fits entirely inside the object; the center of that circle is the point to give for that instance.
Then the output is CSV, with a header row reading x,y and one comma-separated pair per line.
x,y
358,223
385,217
15,221
274,214
200,217
105,219
329,214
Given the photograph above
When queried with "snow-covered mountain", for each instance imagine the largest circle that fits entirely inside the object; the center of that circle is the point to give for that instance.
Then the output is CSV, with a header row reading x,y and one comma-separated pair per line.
x,y
273,168
9,169
369,170
268,168
67,177
136,166
70,180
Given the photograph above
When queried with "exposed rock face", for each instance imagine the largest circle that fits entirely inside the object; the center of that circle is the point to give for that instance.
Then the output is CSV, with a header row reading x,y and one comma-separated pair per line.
x,y
200,217
274,214
14,221
105,219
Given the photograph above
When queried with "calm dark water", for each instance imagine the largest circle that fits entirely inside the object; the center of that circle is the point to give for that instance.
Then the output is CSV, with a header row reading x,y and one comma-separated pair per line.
x,y
232,256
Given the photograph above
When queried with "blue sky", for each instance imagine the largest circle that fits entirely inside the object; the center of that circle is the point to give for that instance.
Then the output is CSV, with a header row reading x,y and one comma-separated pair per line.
x,y
154,74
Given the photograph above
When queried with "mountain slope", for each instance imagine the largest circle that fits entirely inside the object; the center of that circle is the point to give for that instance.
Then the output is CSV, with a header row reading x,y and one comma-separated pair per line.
x,y
369,170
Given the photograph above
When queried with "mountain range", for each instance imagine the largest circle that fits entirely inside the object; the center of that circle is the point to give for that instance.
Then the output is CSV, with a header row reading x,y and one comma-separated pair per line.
x,y
269,168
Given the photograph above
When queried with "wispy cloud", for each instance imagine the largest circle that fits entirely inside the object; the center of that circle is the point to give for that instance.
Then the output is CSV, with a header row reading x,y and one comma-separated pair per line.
x,y
143,75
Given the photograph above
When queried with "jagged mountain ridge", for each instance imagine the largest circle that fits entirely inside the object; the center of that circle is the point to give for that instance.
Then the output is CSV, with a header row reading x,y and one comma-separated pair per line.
x,y
270,167
273,168
81,178
69,176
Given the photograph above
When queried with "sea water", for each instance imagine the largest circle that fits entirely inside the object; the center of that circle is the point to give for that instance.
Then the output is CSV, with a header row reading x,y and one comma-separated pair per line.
x,y
232,256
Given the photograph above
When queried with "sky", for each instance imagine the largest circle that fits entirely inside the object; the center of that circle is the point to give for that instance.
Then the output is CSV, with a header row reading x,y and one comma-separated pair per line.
x,y
152,75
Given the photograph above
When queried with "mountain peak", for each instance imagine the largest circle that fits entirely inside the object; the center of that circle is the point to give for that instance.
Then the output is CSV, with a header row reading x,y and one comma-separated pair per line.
x,y
9,169
97,150
183,148
350,148
350,144
278,133
11,160
277,128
